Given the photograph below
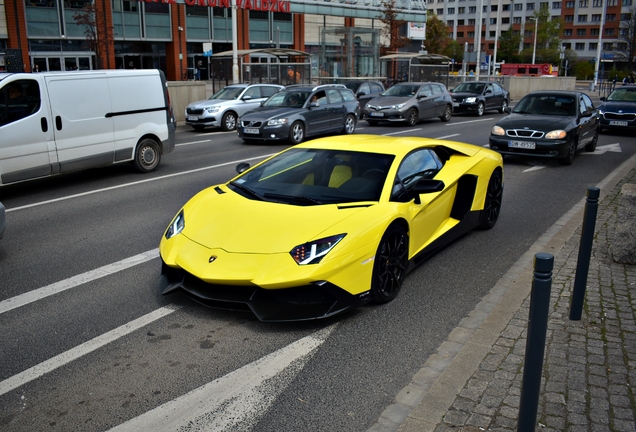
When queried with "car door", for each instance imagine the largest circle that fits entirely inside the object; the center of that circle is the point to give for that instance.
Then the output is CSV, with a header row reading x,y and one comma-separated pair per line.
x,y
337,110
364,93
490,98
316,117
588,122
426,102
27,147
251,98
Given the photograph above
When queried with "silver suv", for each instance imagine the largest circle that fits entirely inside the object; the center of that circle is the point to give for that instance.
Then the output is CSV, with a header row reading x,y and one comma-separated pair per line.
x,y
224,107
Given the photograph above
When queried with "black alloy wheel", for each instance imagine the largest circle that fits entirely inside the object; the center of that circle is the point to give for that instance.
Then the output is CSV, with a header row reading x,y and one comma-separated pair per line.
x,y
448,113
480,109
389,268
492,205
569,157
296,133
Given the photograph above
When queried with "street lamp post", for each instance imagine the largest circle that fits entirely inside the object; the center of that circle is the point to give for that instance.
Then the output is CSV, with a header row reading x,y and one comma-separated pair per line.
x,y
534,47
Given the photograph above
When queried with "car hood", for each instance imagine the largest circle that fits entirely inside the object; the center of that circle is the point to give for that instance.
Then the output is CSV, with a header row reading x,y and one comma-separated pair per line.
x,y
618,106
535,122
389,100
264,113
212,102
221,218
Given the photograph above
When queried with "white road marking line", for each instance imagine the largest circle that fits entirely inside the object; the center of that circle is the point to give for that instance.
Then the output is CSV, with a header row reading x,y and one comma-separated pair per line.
x,y
237,398
448,136
57,287
402,132
535,168
83,349
469,121
136,183
192,142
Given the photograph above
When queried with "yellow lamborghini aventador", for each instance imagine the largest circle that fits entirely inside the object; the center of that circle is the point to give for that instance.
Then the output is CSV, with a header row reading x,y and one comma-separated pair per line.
x,y
328,225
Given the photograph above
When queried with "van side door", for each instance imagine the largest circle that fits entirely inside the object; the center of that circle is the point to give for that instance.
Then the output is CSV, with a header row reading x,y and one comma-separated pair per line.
x,y
84,134
27,148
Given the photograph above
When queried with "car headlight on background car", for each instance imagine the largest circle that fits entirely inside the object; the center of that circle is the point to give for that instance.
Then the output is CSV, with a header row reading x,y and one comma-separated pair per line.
x,y
498,130
556,134
177,225
276,122
313,252
399,106
470,100
213,109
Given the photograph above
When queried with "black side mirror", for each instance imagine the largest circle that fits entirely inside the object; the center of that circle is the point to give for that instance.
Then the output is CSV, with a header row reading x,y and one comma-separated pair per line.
x,y
425,186
242,167
508,110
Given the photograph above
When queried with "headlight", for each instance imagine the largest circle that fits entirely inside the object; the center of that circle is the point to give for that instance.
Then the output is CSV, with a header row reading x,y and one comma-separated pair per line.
x,y
313,252
399,106
498,130
177,225
556,134
470,100
276,122
213,109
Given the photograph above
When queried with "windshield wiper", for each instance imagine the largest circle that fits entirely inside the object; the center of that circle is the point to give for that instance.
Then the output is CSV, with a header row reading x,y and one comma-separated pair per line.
x,y
248,190
300,198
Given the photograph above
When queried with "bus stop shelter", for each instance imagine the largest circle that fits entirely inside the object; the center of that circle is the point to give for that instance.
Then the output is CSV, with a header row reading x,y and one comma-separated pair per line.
x,y
264,65
415,67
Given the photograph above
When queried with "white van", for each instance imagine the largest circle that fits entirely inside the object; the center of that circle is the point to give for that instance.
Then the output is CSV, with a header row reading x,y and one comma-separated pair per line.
x,y
56,122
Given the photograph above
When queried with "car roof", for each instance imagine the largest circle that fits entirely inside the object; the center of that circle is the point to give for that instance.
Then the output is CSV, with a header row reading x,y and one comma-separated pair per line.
x,y
554,93
398,146
314,87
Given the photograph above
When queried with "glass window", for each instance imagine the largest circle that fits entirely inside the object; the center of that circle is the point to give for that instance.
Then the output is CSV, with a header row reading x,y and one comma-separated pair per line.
x,y
267,91
421,164
19,99
334,96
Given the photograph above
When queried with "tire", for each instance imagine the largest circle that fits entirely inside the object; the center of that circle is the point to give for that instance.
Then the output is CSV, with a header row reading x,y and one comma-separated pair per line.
x,y
592,146
504,105
349,125
199,128
492,204
412,118
296,133
147,155
569,157
228,122
448,113
389,268
480,109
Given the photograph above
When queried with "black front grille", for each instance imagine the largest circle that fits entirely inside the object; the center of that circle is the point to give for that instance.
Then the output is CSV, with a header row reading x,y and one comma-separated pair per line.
x,y
253,124
619,116
196,111
524,133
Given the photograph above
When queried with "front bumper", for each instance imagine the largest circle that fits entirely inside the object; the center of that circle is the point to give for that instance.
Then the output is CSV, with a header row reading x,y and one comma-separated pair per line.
x,y
616,121
387,116
554,149
209,120
464,107
320,299
265,133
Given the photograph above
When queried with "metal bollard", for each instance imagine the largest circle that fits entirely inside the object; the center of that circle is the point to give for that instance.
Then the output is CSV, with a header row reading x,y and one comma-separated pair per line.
x,y
585,252
535,342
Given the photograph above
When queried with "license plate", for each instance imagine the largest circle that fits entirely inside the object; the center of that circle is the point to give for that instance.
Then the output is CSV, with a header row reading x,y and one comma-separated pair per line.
x,y
618,123
376,114
522,144
192,118
455,104
250,130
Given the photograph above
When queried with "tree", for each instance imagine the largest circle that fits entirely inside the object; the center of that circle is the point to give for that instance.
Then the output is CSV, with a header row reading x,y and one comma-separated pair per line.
x,y
436,34
98,34
392,28
454,50
509,46
626,49
584,70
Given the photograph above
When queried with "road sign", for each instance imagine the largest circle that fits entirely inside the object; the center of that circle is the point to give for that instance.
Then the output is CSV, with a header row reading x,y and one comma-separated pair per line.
x,y
207,49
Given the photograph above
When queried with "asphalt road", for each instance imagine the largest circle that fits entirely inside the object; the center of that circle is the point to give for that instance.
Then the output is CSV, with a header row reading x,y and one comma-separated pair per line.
x,y
88,343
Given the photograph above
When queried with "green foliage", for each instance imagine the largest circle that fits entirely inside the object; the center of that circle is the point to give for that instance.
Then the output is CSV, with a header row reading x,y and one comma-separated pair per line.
x,y
584,70
436,34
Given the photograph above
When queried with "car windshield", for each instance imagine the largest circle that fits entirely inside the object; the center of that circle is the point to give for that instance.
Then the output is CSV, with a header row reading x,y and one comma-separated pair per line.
x,y
623,95
469,88
314,177
404,90
293,99
543,104
228,93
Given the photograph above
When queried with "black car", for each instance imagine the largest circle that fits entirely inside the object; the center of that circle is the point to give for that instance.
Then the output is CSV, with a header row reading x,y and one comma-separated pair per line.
x,y
477,97
365,90
550,124
301,111
618,110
